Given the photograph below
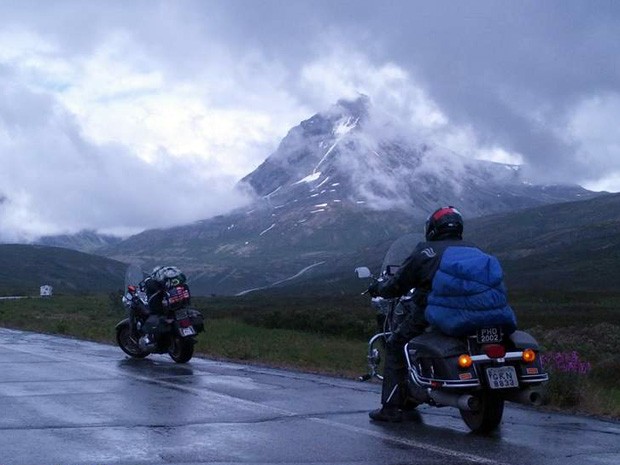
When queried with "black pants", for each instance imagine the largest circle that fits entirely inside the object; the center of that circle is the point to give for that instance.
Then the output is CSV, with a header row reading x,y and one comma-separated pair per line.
x,y
408,321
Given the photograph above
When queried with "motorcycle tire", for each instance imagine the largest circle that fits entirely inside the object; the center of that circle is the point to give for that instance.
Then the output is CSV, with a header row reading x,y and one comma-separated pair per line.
x,y
488,417
128,343
181,350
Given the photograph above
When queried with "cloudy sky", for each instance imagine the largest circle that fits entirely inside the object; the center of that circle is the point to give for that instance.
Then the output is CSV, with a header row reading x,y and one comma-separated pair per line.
x,y
124,115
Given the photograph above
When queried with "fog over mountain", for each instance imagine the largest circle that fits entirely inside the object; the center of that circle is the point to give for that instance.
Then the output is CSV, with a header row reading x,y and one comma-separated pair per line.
x,y
337,183
348,153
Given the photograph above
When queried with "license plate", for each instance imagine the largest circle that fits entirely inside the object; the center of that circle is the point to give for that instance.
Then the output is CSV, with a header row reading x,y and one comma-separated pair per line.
x,y
189,331
489,335
502,377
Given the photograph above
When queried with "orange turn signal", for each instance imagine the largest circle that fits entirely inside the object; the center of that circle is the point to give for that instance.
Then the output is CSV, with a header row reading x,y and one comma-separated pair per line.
x,y
528,355
465,361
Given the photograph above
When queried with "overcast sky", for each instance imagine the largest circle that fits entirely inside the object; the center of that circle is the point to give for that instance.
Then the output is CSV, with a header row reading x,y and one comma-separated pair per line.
x,y
113,111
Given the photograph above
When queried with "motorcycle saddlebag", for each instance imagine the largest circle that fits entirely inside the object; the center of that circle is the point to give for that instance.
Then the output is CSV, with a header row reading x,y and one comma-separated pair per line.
x,y
436,355
523,340
436,344
197,319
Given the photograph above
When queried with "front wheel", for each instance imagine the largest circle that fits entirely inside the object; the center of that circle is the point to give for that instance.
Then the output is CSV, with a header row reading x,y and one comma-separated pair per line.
x,y
128,343
488,417
181,350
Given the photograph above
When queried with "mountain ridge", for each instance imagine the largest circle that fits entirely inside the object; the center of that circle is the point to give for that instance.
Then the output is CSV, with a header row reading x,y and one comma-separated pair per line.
x,y
330,190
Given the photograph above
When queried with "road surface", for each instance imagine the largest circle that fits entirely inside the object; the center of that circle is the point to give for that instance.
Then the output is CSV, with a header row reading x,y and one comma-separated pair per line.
x,y
65,402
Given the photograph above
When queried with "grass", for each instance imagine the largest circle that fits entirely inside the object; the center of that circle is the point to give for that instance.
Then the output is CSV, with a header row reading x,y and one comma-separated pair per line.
x,y
285,348
227,336
328,335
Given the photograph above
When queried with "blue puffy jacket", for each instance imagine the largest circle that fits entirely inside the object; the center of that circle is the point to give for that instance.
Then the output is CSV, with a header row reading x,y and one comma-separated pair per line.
x,y
468,293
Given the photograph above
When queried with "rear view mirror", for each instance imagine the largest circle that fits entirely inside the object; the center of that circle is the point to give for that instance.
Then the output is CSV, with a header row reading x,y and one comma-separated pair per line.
x,y
363,272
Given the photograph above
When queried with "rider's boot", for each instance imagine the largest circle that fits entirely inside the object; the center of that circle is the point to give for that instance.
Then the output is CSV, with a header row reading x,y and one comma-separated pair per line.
x,y
387,413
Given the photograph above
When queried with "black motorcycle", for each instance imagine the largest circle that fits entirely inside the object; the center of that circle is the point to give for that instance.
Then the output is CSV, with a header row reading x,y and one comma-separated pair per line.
x,y
174,332
476,373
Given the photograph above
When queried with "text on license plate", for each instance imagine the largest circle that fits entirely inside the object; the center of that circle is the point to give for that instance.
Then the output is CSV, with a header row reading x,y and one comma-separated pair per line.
x,y
189,331
489,335
502,377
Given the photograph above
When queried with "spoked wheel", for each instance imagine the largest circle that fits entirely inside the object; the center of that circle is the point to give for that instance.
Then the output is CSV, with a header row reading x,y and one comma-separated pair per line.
x,y
488,416
128,343
181,350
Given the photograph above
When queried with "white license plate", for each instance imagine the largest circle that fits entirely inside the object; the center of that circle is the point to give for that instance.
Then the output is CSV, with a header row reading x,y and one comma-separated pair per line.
x,y
502,377
189,331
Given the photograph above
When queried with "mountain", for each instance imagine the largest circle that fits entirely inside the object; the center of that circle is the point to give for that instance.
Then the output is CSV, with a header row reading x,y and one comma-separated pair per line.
x,y
338,184
24,268
337,157
569,246
84,241
572,245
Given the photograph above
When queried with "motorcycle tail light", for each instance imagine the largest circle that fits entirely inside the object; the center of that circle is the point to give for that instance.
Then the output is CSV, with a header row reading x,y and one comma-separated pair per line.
x,y
528,355
494,350
185,323
465,361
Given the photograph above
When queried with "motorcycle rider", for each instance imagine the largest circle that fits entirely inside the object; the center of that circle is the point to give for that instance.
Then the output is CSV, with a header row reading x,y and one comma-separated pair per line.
x,y
161,279
443,230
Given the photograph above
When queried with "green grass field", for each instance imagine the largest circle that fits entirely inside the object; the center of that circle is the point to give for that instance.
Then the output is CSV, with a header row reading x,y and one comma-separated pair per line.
x,y
328,335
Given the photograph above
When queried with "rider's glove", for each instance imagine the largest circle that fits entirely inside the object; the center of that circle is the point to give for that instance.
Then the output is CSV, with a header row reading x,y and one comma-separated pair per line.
x,y
373,289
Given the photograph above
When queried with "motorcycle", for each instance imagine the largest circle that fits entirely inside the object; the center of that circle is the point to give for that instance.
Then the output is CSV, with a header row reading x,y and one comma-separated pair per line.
x,y
173,333
476,373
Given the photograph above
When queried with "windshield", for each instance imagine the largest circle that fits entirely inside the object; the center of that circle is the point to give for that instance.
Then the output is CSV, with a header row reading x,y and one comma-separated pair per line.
x,y
133,275
400,249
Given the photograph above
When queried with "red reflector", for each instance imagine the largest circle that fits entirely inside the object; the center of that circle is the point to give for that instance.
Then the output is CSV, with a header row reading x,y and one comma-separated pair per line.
x,y
185,323
532,371
494,350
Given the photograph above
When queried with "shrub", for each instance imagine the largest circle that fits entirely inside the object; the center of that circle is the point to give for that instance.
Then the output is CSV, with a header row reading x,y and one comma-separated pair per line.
x,y
567,377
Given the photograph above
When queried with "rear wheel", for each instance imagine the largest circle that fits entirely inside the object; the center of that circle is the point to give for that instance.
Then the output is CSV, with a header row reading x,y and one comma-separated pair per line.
x,y
128,342
488,417
181,350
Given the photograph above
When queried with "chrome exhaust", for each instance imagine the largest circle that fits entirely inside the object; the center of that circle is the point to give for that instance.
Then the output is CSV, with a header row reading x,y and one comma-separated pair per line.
x,y
460,401
527,396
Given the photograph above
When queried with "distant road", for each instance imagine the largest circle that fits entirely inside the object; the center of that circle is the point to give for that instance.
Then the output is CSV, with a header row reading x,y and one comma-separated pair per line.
x,y
69,402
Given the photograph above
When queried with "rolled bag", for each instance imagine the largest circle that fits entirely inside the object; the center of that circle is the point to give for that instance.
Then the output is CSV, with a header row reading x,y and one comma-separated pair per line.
x,y
468,293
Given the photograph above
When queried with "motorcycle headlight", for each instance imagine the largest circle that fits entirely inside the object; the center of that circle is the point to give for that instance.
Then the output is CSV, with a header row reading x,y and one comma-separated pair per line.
x,y
127,300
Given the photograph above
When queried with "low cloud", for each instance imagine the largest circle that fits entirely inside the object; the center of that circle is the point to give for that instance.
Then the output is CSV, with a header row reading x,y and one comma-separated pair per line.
x,y
56,180
105,105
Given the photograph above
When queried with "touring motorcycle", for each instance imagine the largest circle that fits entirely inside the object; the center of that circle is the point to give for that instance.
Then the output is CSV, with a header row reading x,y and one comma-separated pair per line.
x,y
173,333
476,373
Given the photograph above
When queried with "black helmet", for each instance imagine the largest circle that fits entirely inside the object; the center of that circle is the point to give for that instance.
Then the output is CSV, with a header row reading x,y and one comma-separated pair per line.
x,y
445,221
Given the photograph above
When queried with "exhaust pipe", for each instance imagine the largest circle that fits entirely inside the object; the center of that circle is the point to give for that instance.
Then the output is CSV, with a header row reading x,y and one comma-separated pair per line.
x,y
527,396
461,401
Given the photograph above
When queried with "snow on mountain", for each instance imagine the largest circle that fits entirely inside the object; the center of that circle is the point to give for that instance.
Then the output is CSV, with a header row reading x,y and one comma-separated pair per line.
x,y
334,186
332,156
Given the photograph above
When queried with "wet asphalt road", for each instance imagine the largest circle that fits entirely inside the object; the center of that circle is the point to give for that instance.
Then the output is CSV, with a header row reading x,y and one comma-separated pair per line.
x,y
64,401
